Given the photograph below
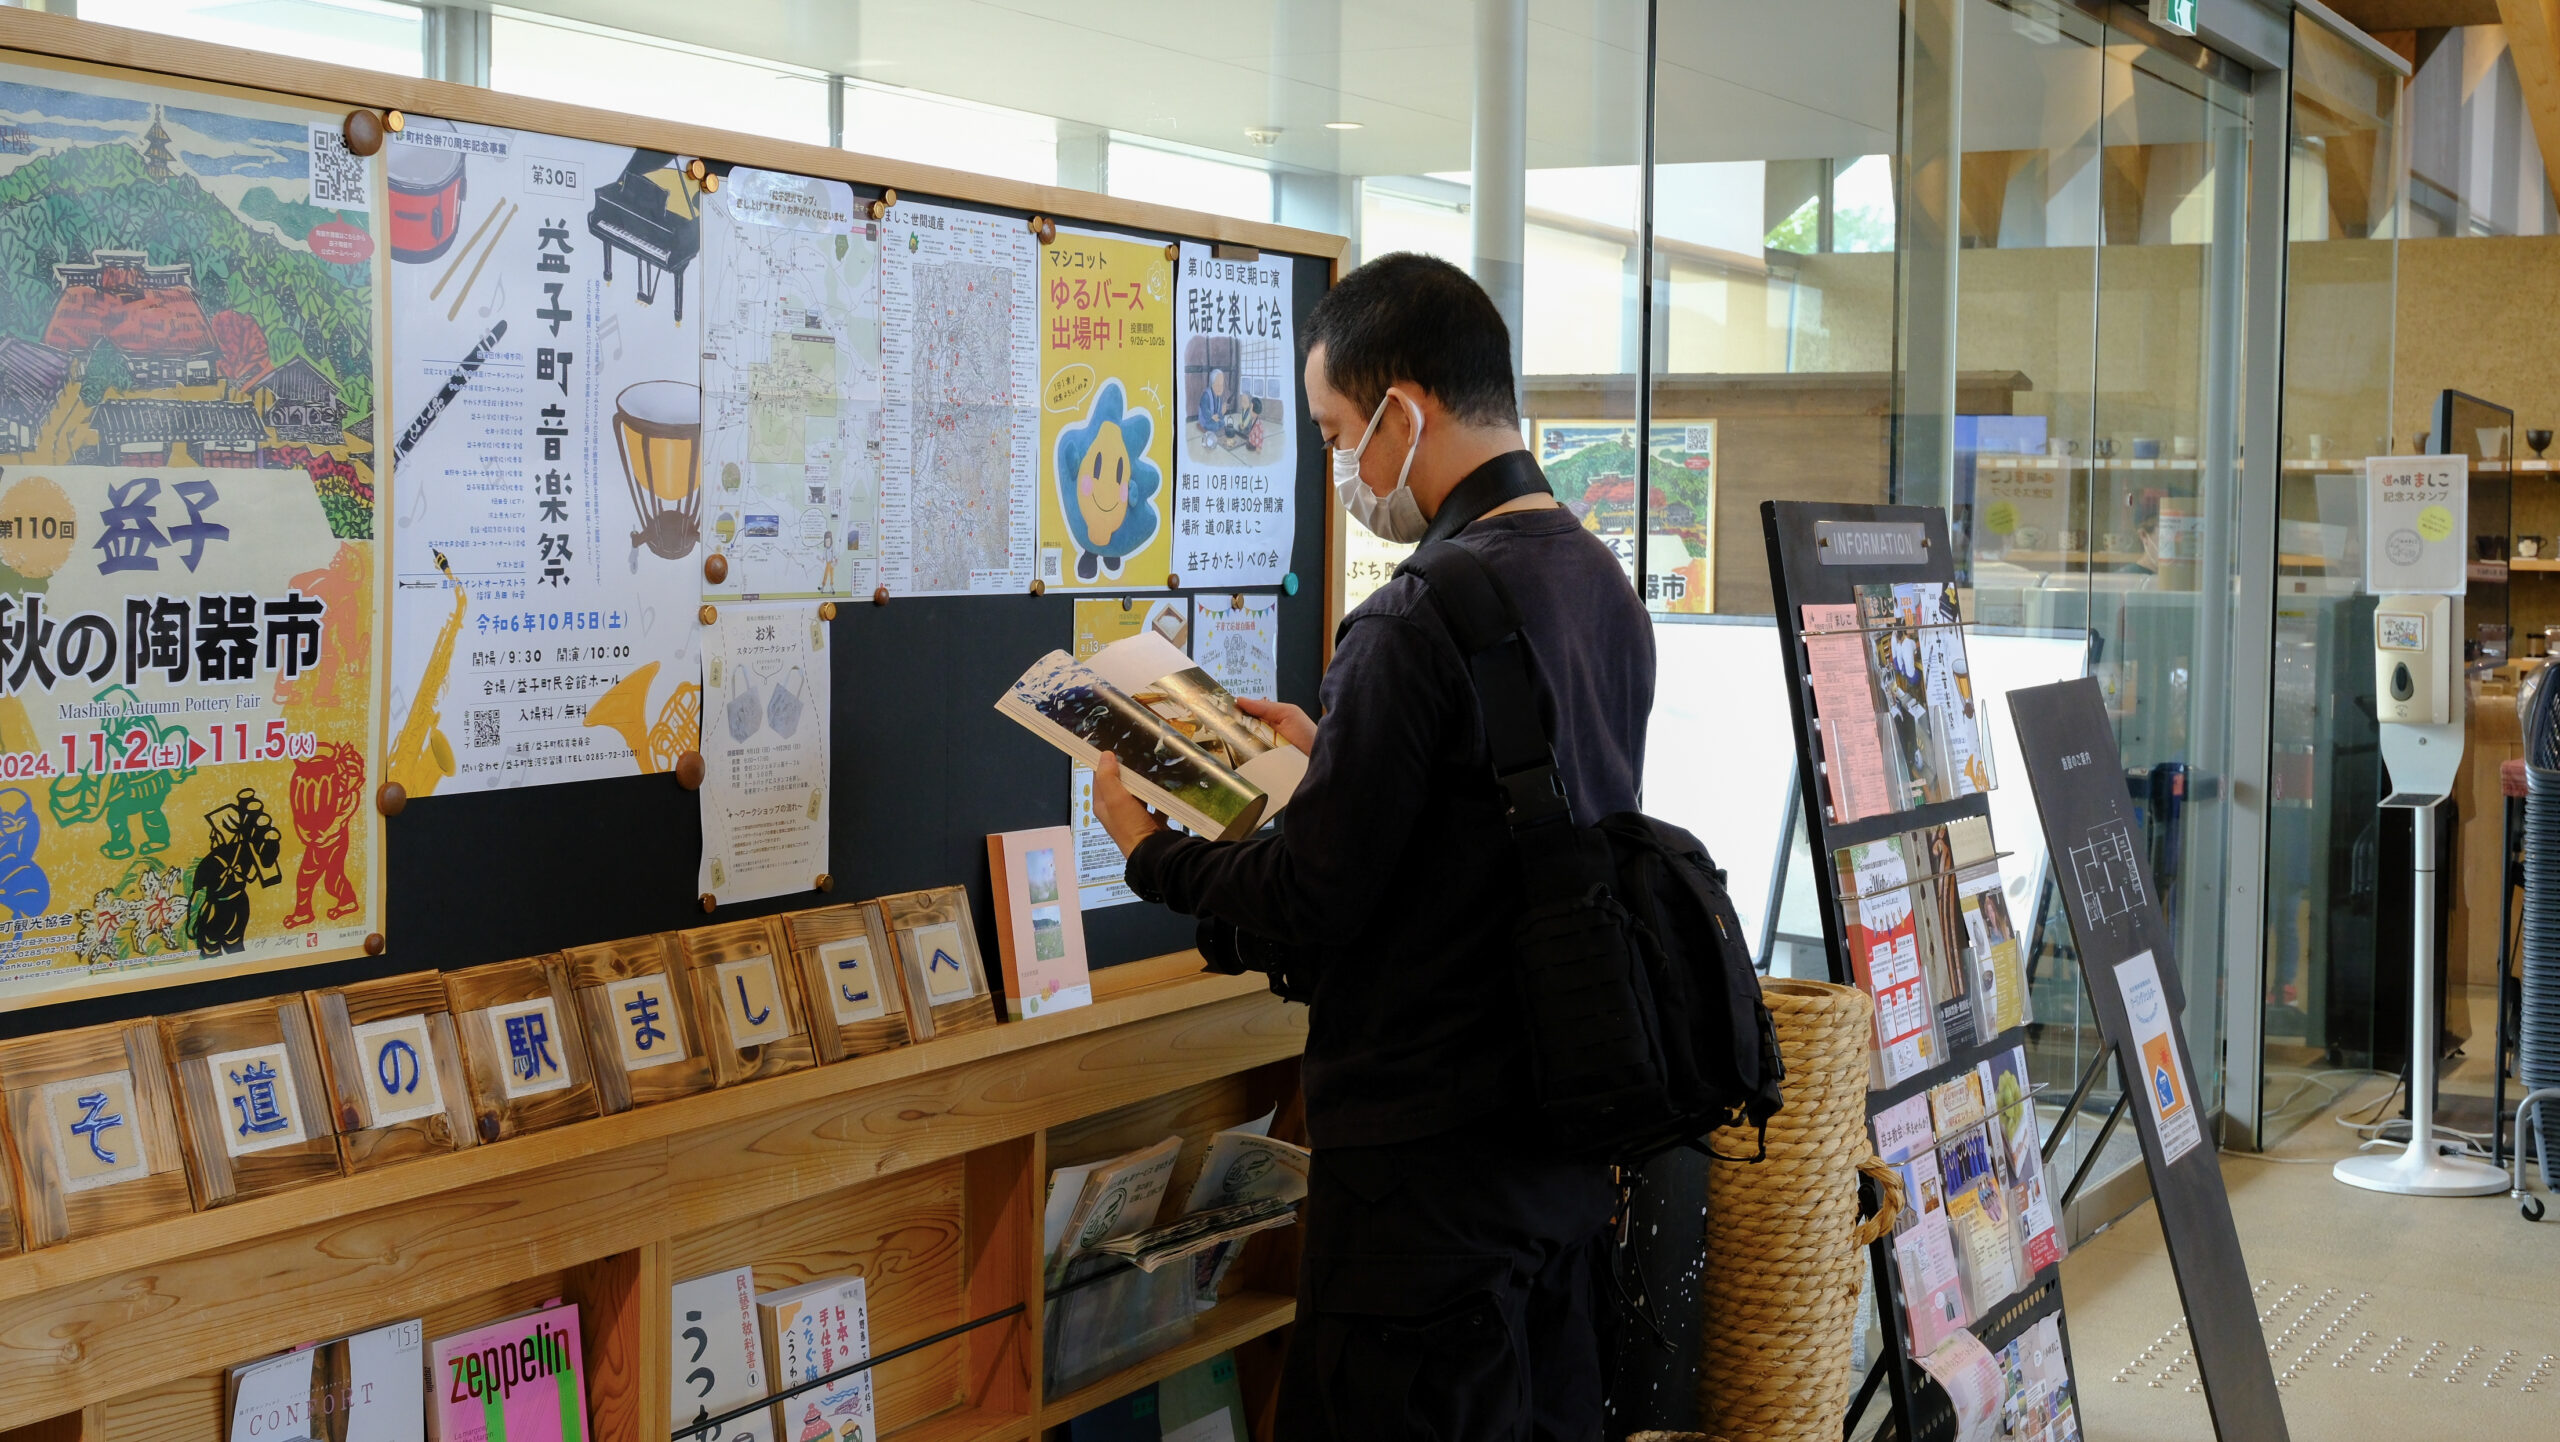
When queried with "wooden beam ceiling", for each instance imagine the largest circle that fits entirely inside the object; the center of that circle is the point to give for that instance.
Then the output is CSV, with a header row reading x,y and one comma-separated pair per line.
x,y
2533,37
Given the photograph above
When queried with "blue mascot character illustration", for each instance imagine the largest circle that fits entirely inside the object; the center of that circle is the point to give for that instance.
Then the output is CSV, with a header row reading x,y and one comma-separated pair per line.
x,y
24,888
1106,484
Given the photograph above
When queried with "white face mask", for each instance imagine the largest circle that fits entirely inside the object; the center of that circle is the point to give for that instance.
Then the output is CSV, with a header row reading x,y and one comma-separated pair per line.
x,y
1395,516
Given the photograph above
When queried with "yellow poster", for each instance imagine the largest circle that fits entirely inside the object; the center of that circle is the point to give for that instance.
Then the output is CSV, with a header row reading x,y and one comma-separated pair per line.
x,y
1106,619
1106,419
190,583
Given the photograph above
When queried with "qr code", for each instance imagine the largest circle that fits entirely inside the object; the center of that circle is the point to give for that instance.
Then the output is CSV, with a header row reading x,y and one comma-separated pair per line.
x,y
1053,566
337,173
484,729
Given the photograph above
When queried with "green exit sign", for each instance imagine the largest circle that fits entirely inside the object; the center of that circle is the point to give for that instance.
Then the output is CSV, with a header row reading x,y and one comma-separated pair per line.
x,y
2177,15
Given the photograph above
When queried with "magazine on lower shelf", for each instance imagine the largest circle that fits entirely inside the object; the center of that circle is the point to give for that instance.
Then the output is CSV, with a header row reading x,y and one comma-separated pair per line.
x,y
1977,1223
1184,745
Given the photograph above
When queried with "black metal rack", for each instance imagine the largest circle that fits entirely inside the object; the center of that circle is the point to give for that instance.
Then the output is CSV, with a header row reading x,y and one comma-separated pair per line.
x,y
1805,569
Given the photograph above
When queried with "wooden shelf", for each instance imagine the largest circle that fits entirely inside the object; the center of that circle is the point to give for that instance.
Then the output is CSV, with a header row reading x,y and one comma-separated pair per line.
x,y
2534,564
610,1210
1238,1319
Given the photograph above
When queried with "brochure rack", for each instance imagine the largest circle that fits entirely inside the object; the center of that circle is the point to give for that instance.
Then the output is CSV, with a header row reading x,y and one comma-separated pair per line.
x,y
1819,556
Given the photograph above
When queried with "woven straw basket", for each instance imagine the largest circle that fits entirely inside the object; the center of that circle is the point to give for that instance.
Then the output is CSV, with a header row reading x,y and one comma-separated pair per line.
x,y
1785,1244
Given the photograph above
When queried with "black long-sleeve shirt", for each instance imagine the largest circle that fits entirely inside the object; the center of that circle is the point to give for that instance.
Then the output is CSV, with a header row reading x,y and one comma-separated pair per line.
x,y
1392,861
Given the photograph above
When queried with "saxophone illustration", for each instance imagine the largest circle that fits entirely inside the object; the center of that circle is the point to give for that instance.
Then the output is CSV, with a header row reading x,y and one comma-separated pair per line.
x,y
625,708
421,757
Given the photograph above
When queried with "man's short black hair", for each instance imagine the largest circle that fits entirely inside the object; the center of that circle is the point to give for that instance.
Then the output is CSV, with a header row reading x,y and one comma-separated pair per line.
x,y
1416,318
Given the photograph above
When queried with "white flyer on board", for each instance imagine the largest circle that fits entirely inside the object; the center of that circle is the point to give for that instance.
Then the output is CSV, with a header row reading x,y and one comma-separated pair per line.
x,y
765,753
2158,1068
1234,510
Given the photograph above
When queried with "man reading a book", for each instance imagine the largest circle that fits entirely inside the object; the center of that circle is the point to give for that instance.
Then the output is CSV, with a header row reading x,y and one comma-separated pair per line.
x,y
1448,1281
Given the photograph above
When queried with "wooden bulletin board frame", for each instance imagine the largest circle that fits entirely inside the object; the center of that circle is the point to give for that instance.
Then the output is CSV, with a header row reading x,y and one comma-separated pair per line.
x,y
925,767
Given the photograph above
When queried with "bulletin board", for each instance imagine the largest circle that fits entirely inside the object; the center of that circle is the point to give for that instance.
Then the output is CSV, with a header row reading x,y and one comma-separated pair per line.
x,y
924,768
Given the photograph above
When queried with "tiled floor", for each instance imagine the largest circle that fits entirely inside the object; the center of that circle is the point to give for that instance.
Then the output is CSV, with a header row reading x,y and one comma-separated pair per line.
x,y
2401,1318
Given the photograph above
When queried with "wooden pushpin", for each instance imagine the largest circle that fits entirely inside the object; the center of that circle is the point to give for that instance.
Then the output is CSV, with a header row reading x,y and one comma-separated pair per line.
x,y
363,131
880,596
888,195
374,945
689,769
391,799
1172,250
709,613
394,121
825,882
711,185
1236,601
879,210
1038,587
695,169
1172,582
826,610
709,901
715,568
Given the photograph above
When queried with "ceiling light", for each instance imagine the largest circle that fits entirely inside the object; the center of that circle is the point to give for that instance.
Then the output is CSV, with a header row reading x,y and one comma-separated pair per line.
x,y
1342,125
1263,134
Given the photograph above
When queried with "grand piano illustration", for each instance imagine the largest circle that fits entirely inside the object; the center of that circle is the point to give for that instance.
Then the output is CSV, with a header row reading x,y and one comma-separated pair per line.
x,y
653,212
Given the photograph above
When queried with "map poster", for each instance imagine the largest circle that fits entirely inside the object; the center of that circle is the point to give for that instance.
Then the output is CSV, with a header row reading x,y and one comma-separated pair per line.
x,y
791,385
546,547
764,745
959,356
189,705
1236,639
1234,518
1106,411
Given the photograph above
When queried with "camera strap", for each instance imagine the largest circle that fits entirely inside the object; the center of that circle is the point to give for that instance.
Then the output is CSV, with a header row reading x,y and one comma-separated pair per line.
x,y
1496,483
1485,624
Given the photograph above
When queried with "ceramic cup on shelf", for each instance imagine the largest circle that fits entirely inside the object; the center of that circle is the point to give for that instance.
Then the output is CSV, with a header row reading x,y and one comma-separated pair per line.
x,y
2528,548
2539,439
2182,448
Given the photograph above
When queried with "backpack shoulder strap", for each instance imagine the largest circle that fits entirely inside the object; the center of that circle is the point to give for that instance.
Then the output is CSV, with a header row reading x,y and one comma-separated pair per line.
x,y
1485,624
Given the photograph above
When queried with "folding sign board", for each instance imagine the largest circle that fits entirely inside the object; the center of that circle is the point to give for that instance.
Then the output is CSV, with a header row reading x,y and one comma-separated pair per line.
x,y
522,1046
95,1130
2103,872
253,1110
857,1000
644,1033
754,1021
937,954
394,1070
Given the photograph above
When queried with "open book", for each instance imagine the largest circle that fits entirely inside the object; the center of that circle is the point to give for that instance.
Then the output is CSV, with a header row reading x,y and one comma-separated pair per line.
x,y
1184,746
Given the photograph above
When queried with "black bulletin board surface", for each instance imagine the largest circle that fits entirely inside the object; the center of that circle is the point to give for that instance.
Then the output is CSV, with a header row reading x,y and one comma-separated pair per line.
x,y
924,768
2068,750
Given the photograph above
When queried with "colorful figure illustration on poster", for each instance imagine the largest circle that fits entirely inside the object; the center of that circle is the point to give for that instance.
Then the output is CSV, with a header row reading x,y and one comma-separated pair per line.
x,y
1106,485
189,387
548,550
1107,412
1591,466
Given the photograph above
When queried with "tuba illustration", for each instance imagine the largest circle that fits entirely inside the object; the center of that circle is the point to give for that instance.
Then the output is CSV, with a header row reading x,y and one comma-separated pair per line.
x,y
421,757
625,708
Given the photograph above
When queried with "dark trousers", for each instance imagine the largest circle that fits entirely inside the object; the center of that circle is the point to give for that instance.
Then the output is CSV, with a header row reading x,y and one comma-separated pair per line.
x,y
1447,1294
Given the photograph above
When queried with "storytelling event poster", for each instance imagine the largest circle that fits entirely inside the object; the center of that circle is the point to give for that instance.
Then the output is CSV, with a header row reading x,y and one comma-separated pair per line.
x,y
189,703
545,542
764,745
791,386
1235,519
1106,419
1101,870
1236,639
959,353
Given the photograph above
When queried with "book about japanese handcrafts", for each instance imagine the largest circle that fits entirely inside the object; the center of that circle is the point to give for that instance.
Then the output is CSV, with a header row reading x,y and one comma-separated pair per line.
x,y
1185,747
1845,714
810,1331
1884,952
2020,1147
520,1380
1991,940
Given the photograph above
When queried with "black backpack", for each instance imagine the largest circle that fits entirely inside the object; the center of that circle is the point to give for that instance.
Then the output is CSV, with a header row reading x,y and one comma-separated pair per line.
x,y
1642,1007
